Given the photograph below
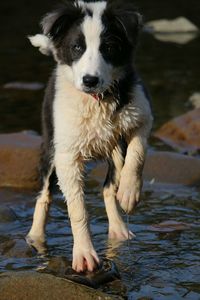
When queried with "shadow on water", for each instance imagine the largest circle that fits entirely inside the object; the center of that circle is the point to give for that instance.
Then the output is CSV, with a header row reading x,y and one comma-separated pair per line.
x,y
163,261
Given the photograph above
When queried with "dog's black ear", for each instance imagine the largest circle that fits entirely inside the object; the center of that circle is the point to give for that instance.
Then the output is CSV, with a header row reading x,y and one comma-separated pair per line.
x,y
58,22
126,17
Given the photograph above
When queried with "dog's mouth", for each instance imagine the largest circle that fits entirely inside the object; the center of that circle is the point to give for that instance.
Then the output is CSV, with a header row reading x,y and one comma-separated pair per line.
x,y
113,91
98,97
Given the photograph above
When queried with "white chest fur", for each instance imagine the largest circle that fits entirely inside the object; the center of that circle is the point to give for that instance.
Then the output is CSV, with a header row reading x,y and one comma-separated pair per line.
x,y
89,128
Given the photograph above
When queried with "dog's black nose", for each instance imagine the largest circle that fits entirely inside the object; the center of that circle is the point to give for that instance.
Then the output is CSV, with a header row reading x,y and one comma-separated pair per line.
x,y
90,81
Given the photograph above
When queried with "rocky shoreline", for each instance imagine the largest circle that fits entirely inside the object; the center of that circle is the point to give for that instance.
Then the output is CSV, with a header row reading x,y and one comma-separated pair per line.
x,y
20,154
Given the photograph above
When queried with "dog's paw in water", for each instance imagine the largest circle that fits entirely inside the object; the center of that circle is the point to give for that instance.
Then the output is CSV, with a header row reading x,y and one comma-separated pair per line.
x,y
37,243
120,232
85,258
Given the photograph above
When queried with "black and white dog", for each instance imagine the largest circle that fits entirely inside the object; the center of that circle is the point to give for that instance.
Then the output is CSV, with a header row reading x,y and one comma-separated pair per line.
x,y
95,107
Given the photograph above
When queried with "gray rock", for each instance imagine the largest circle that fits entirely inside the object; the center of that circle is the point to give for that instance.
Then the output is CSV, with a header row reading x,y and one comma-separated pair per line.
x,y
34,286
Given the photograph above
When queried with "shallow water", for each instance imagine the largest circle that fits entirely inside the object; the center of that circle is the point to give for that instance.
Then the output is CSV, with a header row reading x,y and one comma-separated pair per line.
x,y
163,261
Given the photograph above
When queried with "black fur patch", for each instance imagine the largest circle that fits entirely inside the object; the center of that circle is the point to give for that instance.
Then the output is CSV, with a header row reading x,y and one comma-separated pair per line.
x,y
125,88
122,25
72,46
57,23
62,26
111,175
89,12
47,149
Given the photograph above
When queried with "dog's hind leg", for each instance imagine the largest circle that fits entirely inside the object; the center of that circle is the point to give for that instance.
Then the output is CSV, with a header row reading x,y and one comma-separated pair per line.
x,y
36,235
117,228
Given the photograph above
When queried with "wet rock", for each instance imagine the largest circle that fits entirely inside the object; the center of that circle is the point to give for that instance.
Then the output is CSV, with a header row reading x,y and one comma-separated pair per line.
x,y
183,132
30,86
106,273
178,25
195,100
6,214
17,248
34,286
19,160
172,168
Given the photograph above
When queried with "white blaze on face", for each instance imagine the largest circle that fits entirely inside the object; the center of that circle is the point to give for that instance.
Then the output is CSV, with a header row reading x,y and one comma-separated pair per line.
x,y
92,62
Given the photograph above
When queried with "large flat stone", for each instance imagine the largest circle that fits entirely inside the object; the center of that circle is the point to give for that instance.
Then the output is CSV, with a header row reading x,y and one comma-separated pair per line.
x,y
183,132
172,168
163,167
36,286
19,160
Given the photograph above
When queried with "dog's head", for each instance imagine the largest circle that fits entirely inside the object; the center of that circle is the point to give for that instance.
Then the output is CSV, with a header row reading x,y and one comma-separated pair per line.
x,y
94,39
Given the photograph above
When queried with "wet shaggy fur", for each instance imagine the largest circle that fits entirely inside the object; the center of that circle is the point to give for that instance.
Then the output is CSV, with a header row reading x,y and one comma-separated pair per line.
x,y
95,107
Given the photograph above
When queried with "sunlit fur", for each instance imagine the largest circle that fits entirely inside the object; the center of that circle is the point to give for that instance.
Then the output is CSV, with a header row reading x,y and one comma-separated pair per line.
x,y
77,127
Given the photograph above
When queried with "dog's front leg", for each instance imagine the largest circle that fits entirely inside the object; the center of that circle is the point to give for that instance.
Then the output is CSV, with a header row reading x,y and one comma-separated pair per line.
x,y
131,175
69,171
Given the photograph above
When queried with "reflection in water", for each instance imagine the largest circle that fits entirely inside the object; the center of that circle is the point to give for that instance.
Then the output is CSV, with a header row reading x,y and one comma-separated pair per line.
x,y
177,38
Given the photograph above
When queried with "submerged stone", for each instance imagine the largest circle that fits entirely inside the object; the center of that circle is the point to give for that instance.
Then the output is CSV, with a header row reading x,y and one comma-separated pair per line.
x,y
17,248
107,272
170,226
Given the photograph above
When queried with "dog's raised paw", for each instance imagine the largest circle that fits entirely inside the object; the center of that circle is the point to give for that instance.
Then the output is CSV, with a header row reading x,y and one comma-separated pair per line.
x,y
128,193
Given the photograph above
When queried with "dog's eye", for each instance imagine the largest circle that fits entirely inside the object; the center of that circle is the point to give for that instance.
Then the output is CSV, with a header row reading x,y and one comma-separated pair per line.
x,y
77,48
111,48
